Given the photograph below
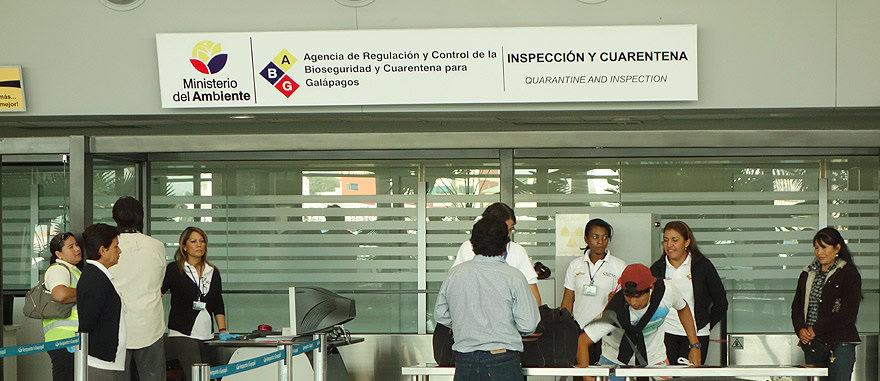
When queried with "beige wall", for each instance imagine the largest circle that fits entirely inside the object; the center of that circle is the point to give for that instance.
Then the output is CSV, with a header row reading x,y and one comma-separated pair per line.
x,y
81,58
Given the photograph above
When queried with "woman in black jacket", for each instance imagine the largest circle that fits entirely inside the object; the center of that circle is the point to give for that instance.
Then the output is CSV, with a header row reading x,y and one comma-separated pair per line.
x,y
694,275
826,304
195,297
99,305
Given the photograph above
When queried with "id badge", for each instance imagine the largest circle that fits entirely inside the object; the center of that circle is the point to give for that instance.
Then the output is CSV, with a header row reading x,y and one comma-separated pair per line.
x,y
590,290
198,305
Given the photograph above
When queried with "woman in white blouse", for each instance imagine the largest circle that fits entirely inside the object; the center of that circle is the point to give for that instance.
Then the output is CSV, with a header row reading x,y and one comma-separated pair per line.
x,y
196,297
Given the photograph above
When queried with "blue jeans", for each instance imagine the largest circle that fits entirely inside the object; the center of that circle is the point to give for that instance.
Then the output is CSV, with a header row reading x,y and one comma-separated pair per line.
x,y
484,366
840,362
605,361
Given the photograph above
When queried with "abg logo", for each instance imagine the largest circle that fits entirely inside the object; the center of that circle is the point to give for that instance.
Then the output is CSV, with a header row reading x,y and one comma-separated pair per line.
x,y
276,73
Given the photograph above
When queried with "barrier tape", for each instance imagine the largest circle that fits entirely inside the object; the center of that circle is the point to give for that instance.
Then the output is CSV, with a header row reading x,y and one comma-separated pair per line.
x,y
246,365
38,347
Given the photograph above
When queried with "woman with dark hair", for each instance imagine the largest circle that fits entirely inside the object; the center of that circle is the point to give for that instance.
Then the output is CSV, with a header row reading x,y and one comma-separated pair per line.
x,y
694,275
101,312
826,305
60,279
515,255
195,297
591,277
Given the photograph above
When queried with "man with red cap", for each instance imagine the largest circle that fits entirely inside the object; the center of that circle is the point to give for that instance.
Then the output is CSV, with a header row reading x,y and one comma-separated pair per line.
x,y
631,327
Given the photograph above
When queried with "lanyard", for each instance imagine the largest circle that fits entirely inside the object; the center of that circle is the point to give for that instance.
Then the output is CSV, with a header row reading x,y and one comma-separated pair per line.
x,y
590,271
198,281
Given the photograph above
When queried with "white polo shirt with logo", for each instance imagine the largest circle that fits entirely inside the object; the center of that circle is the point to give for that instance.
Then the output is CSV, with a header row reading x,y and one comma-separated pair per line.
x,y
603,274
516,257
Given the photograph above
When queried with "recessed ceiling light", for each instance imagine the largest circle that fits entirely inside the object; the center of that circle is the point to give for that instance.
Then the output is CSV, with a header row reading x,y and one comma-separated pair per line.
x,y
241,117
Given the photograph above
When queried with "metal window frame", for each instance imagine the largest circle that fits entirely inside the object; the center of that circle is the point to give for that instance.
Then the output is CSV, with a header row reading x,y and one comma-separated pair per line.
x,y
426,146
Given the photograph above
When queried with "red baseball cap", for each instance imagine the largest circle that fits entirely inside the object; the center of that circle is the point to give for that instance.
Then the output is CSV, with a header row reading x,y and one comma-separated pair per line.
x,y
640,277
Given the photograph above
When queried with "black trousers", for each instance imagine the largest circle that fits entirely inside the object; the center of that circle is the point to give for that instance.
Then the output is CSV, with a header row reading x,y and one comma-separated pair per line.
x,y
188,352
678,346
62,364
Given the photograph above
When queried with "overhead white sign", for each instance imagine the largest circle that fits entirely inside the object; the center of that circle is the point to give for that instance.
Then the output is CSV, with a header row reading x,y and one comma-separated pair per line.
x,y
429,66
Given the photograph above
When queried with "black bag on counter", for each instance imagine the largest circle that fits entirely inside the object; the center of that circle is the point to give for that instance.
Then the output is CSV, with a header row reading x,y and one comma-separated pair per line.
x,y
443,354
556,345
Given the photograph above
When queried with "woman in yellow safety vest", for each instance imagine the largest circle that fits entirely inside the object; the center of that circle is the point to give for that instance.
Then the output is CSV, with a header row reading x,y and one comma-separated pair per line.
x,y
61,278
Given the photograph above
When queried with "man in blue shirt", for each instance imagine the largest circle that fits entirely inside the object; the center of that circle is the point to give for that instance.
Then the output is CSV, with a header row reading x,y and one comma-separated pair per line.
x,y
489,307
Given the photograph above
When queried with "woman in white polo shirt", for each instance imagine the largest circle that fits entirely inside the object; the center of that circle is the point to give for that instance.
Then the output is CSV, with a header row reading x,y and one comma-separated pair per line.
x,y
591,277
683,265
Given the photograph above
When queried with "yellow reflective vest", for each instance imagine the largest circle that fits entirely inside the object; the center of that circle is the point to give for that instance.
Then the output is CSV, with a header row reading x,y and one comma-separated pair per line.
x,y
59,329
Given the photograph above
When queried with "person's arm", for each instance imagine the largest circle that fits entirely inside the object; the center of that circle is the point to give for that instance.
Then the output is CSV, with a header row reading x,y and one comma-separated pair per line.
x,y
569,285
221,322
718,295
525,312
217,307
169,278
92,300
63,294
58,280
850,298
597,328
797,310
441,307
583,350
535,293
687,322
568,300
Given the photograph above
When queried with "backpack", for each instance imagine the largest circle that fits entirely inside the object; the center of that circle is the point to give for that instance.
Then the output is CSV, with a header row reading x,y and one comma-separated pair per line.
x,y
38,302
556,345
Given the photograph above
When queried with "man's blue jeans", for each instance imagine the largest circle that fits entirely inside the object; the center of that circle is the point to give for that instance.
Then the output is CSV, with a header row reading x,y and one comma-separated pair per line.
x,y
483,366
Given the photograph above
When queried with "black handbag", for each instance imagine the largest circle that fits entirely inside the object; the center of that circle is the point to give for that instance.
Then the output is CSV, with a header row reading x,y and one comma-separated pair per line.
x,y
443,340
38,302
815,352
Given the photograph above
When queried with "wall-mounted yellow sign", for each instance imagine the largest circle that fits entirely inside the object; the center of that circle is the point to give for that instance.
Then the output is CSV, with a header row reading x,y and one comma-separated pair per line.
x,y
11,89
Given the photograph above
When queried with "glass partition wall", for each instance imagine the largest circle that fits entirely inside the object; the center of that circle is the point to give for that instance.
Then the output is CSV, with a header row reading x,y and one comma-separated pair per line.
x,y
353,226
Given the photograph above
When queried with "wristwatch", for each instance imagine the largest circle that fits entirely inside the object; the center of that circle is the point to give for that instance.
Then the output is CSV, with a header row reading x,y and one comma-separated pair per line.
x,y
695,345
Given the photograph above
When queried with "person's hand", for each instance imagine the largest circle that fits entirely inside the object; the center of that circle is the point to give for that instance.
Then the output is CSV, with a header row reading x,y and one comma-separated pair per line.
x,y
811,333
228,336
533,337
695,357
804,335
579,365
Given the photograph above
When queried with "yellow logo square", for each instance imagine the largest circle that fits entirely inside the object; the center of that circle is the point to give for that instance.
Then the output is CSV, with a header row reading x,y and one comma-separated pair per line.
x,y
284,60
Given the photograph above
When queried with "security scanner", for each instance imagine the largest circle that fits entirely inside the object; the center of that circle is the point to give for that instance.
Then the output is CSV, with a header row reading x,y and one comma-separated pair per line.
x,y
314,312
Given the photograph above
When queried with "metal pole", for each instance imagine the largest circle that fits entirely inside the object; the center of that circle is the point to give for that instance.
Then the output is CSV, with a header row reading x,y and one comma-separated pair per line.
x,y
319,358
2,295
201,372
81,358
81,185
286,368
